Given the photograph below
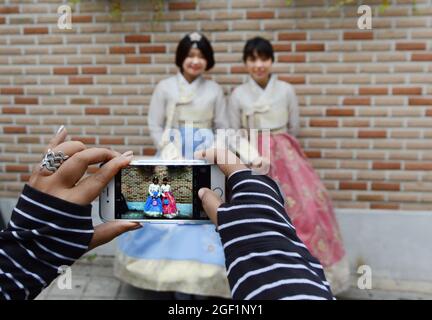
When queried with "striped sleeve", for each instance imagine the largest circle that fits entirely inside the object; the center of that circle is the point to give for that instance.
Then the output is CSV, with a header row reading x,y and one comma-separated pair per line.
x,y
264,257
44,233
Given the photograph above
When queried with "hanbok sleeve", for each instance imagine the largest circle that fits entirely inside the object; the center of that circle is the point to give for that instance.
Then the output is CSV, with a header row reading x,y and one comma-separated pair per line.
x,y
156,114
293,112
234,112
237,142
221,120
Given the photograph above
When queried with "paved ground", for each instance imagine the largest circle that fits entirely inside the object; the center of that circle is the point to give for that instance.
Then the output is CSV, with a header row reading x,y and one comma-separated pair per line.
x,y
93,278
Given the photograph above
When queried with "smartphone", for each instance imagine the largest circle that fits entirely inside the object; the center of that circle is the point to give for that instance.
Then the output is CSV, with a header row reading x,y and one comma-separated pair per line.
x,y
158,191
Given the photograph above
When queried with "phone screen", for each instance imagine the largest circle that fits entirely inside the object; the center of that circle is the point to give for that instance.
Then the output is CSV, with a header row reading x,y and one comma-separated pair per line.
x,y
160,192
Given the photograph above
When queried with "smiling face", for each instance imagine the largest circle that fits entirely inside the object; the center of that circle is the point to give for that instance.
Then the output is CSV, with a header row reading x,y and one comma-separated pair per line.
x,y
259,68
195,64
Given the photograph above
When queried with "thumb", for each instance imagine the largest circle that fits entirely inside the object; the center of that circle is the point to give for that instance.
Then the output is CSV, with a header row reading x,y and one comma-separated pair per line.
x,y
211,202
107,231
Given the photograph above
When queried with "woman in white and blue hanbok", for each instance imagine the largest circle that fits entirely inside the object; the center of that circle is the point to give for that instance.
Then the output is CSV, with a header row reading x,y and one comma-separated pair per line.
x,y
173,257
153,205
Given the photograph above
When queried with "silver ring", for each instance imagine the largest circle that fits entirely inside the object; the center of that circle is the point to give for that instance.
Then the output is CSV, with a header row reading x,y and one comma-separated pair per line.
x,y
53,160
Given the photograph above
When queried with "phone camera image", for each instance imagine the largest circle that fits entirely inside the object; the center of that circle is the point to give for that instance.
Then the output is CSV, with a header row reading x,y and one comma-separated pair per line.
x,y
158,192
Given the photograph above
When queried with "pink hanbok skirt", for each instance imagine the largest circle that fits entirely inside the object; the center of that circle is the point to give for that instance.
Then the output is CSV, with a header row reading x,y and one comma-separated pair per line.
x,y
309,207
169,207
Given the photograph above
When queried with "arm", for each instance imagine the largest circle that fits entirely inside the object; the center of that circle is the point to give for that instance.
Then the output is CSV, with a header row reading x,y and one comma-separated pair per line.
x,y
221,120
293,113
234,112
156,115
51,225
238,143
44,233
264,257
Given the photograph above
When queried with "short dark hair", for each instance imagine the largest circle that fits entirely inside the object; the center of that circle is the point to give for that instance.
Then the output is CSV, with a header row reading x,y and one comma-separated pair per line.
x,y
155,180
258,47
203,45
165,179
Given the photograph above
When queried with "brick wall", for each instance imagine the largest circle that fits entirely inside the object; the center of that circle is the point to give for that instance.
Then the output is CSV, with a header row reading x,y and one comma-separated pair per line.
x,y
365,96
135,182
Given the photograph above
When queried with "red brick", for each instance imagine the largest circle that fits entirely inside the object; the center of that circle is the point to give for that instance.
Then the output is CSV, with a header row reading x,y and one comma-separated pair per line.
x,y
365,35
85,140
80,80
293,79
386,166
149,151
11,90
94,70
429,113
370,197
65,70
303,47
238,69
111,140
385,186
292,58
372,134
407,90
36,30
137,38
420,101
422,166
356,101
282,47
122,50
26,100
313,154
385,206
26,139
13,110
14,130
421,57
373,91
323,123
17,168
8,10
98,111
340,112
260,15
352,185
137,59
81,19
81,101
411,46
182,6
153,49
291,36
2,20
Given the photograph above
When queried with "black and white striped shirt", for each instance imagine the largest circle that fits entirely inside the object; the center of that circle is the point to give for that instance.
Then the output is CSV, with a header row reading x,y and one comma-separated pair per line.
x,y
264,257
44,234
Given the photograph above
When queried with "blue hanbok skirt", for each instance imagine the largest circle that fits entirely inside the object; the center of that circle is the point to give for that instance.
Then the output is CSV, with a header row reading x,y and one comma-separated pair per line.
x,y
175,257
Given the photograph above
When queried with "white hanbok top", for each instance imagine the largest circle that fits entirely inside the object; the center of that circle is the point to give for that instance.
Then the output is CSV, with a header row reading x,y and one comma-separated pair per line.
x,y
165,188
275,107
201,102
154,188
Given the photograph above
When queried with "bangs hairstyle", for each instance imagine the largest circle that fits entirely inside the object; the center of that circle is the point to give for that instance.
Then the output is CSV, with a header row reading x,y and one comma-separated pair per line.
x,y
203,45
258,47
